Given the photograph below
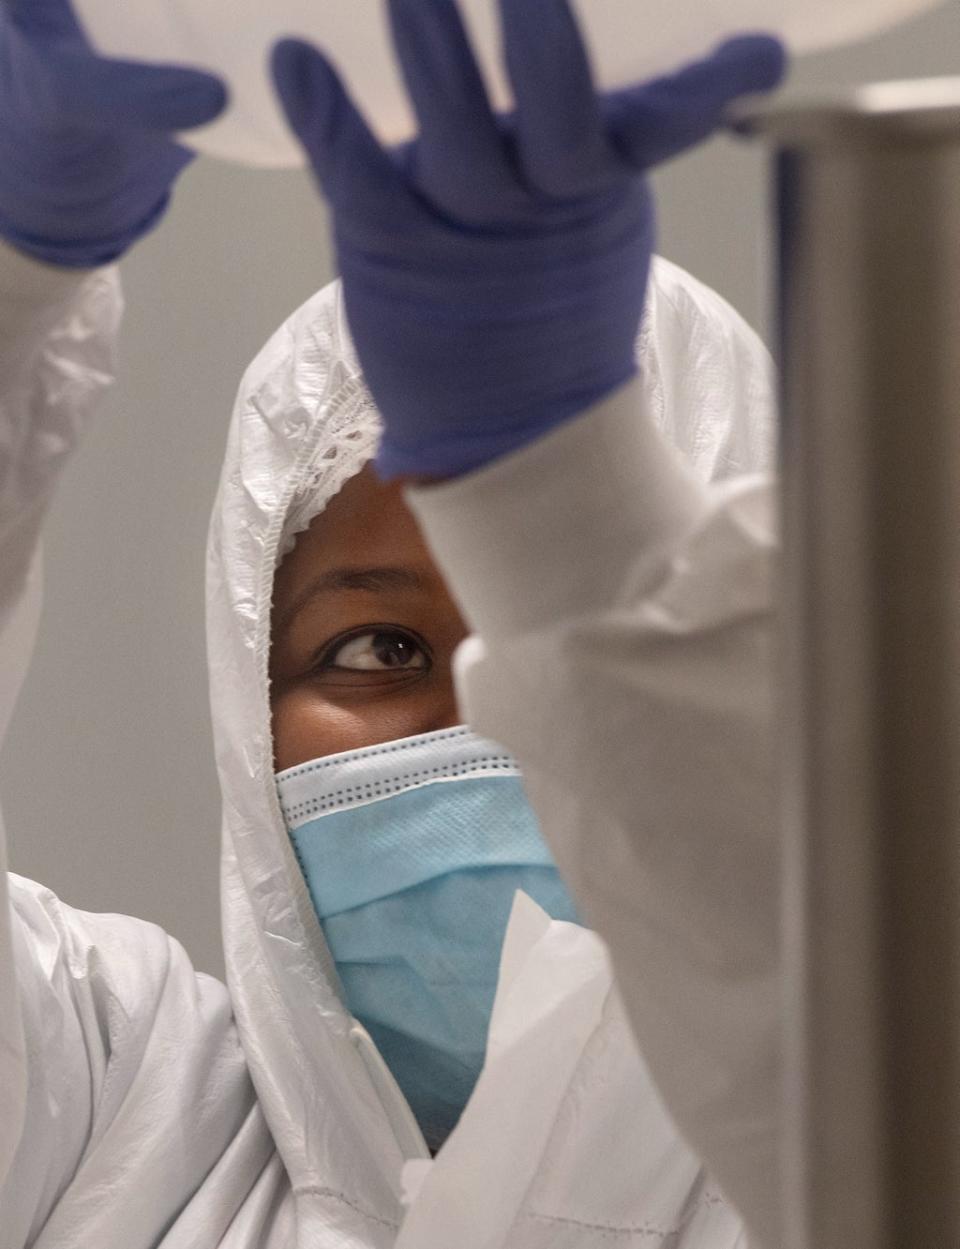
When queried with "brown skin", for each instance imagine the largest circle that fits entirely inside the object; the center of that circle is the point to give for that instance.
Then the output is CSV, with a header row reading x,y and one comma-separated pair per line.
x,y
366,657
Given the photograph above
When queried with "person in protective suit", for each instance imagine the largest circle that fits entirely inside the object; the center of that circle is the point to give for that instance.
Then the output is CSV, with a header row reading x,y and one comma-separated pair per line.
x,y
420,1043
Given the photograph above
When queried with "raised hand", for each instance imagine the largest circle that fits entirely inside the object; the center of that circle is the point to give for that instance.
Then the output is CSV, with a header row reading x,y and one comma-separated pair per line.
x,y
495,269
87,157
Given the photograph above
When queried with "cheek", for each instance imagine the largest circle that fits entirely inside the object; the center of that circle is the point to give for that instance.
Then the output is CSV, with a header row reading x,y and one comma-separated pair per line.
x,y
306,726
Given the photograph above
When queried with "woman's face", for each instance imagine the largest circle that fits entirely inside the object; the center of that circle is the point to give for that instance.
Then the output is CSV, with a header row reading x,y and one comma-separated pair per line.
x,y
363,630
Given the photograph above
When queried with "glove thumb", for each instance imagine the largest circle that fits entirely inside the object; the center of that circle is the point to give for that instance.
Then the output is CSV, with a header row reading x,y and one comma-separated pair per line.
x,y
133,95
660,119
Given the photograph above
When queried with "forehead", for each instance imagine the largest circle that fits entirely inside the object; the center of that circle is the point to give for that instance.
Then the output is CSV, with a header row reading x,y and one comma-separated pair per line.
x,y
367,522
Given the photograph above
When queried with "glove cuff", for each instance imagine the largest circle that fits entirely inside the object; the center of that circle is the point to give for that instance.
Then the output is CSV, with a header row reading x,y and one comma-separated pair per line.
x,y
82,253
462,453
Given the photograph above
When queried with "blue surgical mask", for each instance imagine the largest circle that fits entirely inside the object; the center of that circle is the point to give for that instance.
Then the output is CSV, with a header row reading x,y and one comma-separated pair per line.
x,y
413,851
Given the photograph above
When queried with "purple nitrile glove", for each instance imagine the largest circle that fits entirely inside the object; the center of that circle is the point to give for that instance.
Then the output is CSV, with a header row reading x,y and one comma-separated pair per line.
x,y
495,269
86,154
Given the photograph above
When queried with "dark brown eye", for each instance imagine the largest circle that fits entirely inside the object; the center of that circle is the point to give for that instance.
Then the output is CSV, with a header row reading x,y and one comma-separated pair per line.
x,y
377,651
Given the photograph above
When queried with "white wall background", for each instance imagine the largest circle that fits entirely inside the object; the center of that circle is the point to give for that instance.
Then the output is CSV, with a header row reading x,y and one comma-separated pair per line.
x,y
108,787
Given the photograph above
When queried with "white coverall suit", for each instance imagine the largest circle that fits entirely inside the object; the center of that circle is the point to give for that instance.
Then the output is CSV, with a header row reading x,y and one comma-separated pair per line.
x,y
620,608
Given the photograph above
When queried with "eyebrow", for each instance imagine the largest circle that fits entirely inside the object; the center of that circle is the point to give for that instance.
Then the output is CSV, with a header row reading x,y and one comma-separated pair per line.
x,y
376,579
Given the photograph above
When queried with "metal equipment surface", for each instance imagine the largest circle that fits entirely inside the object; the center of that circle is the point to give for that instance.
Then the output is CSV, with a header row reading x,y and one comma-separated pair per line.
x,y
869,212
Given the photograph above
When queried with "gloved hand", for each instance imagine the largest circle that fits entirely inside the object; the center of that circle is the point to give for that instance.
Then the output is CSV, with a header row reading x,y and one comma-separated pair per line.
x,y
86,155
495,269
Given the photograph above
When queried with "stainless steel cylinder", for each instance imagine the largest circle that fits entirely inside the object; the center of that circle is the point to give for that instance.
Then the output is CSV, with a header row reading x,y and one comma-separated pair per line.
x,y
869,211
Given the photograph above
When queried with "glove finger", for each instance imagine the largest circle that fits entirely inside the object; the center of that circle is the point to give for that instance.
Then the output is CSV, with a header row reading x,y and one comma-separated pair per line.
x,y
53,19
559,124
129,95
650,123
457,128
355,174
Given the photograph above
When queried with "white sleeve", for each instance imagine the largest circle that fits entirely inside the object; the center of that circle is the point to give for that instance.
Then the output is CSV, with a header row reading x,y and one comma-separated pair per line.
x,y
57,329
622,651
57,334
122,1079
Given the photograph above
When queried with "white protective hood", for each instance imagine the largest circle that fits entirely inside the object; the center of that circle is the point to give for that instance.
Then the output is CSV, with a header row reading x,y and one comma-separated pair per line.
x,y
302,426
